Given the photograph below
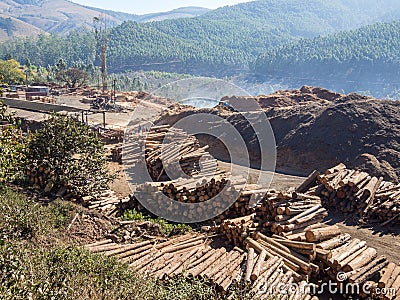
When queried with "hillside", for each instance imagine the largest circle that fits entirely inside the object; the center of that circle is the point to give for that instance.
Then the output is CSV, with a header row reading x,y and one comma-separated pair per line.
x,y
225,40
31,17
365,59
220,42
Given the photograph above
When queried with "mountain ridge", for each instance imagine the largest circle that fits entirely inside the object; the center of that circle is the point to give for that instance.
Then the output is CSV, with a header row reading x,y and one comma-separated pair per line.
x,y
63,16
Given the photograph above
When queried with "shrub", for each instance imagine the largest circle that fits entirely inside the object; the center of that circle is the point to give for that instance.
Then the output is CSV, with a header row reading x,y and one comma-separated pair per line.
x,y
74,273
167,228
12,147
72,153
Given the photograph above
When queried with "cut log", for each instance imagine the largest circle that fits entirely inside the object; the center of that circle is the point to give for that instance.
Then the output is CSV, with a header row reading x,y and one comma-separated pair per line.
x,y
249,264
383,282
367,256
257,268
316,235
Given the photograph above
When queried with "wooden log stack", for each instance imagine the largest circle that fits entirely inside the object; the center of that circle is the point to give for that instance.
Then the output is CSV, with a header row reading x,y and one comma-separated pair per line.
x,y
192,255
39,176
355,193
290,214
348,260
106,202
172,150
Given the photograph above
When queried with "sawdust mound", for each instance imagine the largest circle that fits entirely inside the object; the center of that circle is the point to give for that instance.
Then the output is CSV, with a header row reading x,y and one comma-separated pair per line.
x,y
316,129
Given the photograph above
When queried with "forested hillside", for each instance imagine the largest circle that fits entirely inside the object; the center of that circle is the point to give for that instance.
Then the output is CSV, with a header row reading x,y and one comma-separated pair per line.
x,y
365,59
222,42
31,17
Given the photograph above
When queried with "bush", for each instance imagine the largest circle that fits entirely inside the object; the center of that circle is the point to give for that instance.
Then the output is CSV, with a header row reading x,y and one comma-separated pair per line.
x,y
72,153
12,147
167,228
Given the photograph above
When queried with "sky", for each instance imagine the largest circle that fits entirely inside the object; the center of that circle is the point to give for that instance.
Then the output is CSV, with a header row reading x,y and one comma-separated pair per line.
x,y
151,6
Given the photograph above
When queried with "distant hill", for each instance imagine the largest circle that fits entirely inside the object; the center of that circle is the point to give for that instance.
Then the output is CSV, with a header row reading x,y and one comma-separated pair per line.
x,y
31,17
225,40
366,59
221,42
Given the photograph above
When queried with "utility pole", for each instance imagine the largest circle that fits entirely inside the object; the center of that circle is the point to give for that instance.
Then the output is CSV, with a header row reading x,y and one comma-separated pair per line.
x,y
114,90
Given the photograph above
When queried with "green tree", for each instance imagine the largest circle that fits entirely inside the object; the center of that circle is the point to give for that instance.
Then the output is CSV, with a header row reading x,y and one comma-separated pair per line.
x,y
12,147
73,153
73,77
11,72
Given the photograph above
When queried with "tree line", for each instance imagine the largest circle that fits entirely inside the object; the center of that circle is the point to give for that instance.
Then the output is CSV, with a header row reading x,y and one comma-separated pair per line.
x,y
222,42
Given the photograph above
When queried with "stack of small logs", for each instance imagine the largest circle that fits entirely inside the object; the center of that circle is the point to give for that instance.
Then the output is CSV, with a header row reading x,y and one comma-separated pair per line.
x,y
199,190
238,229
39,176
165,150
290,214
106,202
357,193
348,260
193,255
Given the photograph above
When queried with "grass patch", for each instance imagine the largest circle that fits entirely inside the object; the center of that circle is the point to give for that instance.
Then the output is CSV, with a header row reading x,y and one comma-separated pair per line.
x,y
22,218
74,273
168,229
30,269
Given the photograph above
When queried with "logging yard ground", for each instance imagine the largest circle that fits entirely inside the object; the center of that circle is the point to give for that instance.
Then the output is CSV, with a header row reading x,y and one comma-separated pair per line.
x,y
386,244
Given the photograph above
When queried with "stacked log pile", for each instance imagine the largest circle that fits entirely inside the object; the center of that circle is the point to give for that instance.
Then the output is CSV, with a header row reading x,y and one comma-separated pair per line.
x,y
350,260
290,214
107,202
165,151
200,190
192,255
357,193
39,175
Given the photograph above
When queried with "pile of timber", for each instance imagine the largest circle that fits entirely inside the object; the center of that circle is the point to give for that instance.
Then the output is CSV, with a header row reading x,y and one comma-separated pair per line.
x,y
106,202
348,260
39,176
356,193
237,230
170,150
192,255
298,257
289,214
200,189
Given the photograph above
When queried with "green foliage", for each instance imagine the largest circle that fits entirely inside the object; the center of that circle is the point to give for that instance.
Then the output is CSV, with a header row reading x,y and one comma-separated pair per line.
x,y
12,147
143,81
10,72
364,59
224,41
73,273
73,77
167,228
73,153
22,218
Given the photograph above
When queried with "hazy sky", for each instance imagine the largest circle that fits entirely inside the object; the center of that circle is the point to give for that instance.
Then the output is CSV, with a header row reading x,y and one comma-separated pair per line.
x,y
149,6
